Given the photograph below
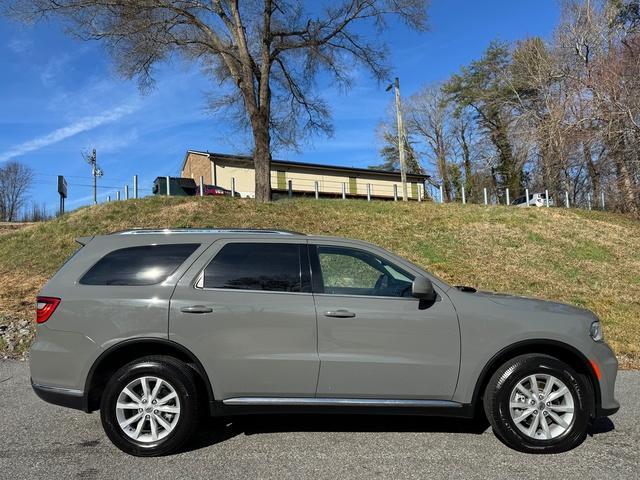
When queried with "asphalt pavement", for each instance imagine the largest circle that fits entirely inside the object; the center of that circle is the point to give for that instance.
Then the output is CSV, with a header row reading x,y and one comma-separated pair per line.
x,y
38,440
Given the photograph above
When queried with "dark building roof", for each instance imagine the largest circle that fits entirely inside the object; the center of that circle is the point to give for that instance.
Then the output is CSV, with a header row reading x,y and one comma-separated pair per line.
x,y
284,163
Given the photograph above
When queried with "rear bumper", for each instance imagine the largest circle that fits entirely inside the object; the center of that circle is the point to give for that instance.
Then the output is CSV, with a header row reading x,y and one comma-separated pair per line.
x,y
63,397
605,412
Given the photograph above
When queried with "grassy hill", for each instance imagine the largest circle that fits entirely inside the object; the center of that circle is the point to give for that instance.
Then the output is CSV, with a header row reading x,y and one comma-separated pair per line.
x,y
590,259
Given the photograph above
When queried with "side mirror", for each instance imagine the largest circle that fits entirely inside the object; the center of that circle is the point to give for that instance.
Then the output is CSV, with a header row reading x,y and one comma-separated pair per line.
x,y
422,288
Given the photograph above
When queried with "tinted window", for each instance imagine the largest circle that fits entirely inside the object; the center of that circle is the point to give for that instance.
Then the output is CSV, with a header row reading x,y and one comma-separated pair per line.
x,y
347,271
256,266
146,265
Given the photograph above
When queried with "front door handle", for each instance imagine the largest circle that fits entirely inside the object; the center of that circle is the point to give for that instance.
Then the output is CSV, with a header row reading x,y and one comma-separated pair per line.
x,y
196,309
339,314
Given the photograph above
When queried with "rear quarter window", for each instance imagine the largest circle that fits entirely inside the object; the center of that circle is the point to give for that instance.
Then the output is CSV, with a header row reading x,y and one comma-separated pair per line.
x,y
138,266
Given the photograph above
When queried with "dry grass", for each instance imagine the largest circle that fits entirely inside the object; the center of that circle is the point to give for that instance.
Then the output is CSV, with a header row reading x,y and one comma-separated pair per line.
x,y
590,259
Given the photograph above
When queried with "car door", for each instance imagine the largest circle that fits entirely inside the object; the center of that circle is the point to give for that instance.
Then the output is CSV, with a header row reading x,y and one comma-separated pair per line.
x,y
246,311
374,339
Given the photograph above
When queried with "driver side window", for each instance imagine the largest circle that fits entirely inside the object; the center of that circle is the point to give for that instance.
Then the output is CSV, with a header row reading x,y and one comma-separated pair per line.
x,y
347,271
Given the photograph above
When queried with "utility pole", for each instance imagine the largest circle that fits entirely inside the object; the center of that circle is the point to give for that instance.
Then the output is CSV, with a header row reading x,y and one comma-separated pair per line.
x,y
95,172
401,137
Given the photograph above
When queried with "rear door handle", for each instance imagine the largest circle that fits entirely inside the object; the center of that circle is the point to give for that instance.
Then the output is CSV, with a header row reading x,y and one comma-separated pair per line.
x,y
196,309
339,314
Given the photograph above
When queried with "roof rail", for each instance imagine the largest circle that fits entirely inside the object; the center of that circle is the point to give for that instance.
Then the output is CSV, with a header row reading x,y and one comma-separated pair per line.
x,y
157,231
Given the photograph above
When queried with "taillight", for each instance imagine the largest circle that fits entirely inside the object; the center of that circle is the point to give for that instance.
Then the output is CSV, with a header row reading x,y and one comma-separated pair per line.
x,y
45,307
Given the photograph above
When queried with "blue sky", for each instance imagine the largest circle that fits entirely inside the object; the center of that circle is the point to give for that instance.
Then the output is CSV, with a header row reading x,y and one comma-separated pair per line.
x,y
60,96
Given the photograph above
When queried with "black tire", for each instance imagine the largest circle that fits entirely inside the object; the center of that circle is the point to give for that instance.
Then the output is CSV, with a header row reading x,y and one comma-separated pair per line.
x,y
497,397
180,377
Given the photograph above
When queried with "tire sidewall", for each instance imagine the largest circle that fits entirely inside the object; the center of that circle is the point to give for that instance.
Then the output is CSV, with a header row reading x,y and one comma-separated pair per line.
x,y
184,386
509,432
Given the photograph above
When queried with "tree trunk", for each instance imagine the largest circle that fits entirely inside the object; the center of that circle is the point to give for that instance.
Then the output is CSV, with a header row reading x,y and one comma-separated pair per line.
x,y
625,183
466,158
592,169
444,171
511,177
262,159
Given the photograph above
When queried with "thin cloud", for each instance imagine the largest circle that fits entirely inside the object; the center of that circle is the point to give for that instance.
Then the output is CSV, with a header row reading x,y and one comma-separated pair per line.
x,y
82,125
19,45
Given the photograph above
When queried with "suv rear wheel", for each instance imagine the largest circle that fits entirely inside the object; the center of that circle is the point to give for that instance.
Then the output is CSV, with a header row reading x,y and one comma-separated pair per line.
x,y
538,404
150,406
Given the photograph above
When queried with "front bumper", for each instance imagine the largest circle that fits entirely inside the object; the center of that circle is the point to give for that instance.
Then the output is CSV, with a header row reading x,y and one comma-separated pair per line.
x,y
607,363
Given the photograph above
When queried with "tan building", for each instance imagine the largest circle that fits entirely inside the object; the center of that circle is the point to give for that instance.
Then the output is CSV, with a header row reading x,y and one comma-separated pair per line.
x,y
330,180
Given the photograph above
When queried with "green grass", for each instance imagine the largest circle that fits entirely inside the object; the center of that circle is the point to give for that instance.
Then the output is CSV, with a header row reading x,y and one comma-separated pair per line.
x,y
590,259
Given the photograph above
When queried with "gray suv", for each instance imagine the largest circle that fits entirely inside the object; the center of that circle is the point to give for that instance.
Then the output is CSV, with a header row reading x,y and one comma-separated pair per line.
x,y
156,328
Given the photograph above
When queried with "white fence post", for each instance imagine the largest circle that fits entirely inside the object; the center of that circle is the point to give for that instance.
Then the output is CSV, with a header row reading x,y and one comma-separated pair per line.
x,y
168,187
395,192
126,192
508,199
201,186
108,198
233,187
441,194
135,186
368,192
589,200
526,193
464,196
566,199
602,197
344,191
546,196
290,188
118,195
317,189
485,196
419,192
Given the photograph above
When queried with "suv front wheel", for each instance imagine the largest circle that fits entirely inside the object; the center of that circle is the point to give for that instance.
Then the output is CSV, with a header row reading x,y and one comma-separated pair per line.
x,y
538,404
150,406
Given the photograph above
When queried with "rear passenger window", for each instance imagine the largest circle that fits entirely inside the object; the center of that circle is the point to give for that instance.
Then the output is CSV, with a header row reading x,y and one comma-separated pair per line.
x,y
256,266
136,266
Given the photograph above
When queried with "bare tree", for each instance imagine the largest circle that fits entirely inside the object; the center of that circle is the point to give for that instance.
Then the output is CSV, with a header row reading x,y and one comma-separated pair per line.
x,y
267,52
15,180
463,133
430,117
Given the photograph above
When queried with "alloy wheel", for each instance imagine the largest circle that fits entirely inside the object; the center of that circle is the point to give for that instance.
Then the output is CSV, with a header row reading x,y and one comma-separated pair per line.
x,y
148,409
542,407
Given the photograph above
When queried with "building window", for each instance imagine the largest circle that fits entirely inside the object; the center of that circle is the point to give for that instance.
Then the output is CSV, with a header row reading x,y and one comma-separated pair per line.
x,y
353,186
282,180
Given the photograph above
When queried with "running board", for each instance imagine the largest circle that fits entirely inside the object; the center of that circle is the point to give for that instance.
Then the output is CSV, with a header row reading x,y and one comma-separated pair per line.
x,y
339,402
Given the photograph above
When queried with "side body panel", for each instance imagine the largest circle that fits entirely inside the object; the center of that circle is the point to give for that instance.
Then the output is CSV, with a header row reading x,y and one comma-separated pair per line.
x,y
391,348
91,318
490,323
253,343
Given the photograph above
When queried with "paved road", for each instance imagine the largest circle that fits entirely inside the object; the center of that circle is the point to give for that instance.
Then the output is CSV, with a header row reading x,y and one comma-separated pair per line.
x,y
38,440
